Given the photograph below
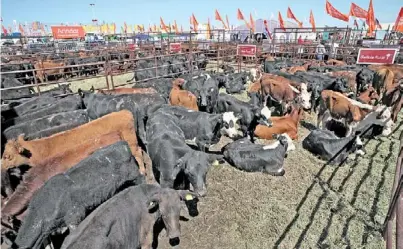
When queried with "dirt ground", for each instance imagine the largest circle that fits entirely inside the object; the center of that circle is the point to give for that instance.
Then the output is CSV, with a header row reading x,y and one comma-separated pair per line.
x,y
312,206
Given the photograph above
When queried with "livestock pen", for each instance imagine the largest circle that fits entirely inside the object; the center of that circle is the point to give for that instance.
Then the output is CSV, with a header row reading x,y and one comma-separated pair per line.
x,y
313,206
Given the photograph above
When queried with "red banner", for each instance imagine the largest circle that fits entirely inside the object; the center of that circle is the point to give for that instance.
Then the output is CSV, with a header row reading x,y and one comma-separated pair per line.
x,y
333,12
246,50
376,56
175,47
67,32
399,21
357,11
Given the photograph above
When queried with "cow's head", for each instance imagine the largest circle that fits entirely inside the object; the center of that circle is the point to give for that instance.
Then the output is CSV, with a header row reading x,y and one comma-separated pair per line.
x,y
231,124
169,204
195,165
15,154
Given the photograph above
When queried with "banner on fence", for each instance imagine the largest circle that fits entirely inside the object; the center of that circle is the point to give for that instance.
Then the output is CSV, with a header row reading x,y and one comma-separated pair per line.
x,y
175,47
246,50
67,32
376,56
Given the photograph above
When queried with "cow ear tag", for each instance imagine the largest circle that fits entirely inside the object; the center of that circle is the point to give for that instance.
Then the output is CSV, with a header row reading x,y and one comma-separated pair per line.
x,y
188,197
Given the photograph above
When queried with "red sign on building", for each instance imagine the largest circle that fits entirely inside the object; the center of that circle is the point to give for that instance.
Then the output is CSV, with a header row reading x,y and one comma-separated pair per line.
x,y
376,56
68,32
246,50
175,47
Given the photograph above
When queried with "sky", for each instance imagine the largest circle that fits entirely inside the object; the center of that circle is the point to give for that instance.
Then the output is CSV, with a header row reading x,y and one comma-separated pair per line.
x,y
53,12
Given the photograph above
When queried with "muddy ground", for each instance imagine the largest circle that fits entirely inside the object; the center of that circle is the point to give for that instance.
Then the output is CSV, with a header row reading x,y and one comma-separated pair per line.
x,y
312,206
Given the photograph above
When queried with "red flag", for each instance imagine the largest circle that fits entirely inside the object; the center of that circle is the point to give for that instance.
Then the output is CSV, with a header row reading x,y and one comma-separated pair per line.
x,y
252,23
218,18
333,12
357,11
240,15
280,20
378,25
266,27
4,30
226,17
292,16
312,22
399,21
371,18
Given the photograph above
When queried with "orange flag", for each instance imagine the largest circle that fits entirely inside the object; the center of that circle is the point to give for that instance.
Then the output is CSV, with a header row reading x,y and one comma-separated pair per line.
x,y
280,20
21,29
333,12
176,28
292,16
240,15
226,17
208,29
371,18
194,22
399,21
218,18
312,22
163,26
357,11
252,23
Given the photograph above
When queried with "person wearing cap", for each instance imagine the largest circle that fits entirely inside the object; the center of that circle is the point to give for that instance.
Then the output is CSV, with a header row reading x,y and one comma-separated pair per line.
x,y
320,51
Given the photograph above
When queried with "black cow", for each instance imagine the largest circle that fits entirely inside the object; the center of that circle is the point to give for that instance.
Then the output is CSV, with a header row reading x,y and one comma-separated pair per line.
x,y
250,157
327,145
246,114
48,125
363,79
163,86
7,82
202,128
174,162
127,219
140,105
69,103
205,89
66,199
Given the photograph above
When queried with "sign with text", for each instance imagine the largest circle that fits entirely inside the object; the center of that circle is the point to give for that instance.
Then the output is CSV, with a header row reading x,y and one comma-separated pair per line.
x,y
175,47
246,50
376,56
68,32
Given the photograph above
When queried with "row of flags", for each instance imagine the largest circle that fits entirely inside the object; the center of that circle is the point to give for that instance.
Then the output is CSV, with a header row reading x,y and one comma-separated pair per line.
x,y
355,11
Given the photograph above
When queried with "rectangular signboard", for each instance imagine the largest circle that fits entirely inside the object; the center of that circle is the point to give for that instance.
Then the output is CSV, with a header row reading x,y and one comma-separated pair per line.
x,y
175,47
246,50
67,32
376,56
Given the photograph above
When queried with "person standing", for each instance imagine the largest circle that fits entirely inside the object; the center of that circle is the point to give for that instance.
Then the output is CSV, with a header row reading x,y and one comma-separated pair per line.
x,y
320,51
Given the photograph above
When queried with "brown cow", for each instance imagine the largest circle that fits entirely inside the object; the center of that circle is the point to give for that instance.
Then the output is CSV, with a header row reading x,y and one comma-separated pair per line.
x,y
19,152
179,97
47,67
127,91
287,124
334,105
49,167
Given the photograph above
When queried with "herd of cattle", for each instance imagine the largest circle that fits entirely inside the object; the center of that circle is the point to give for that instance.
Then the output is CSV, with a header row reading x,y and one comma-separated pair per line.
x,y
103,168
